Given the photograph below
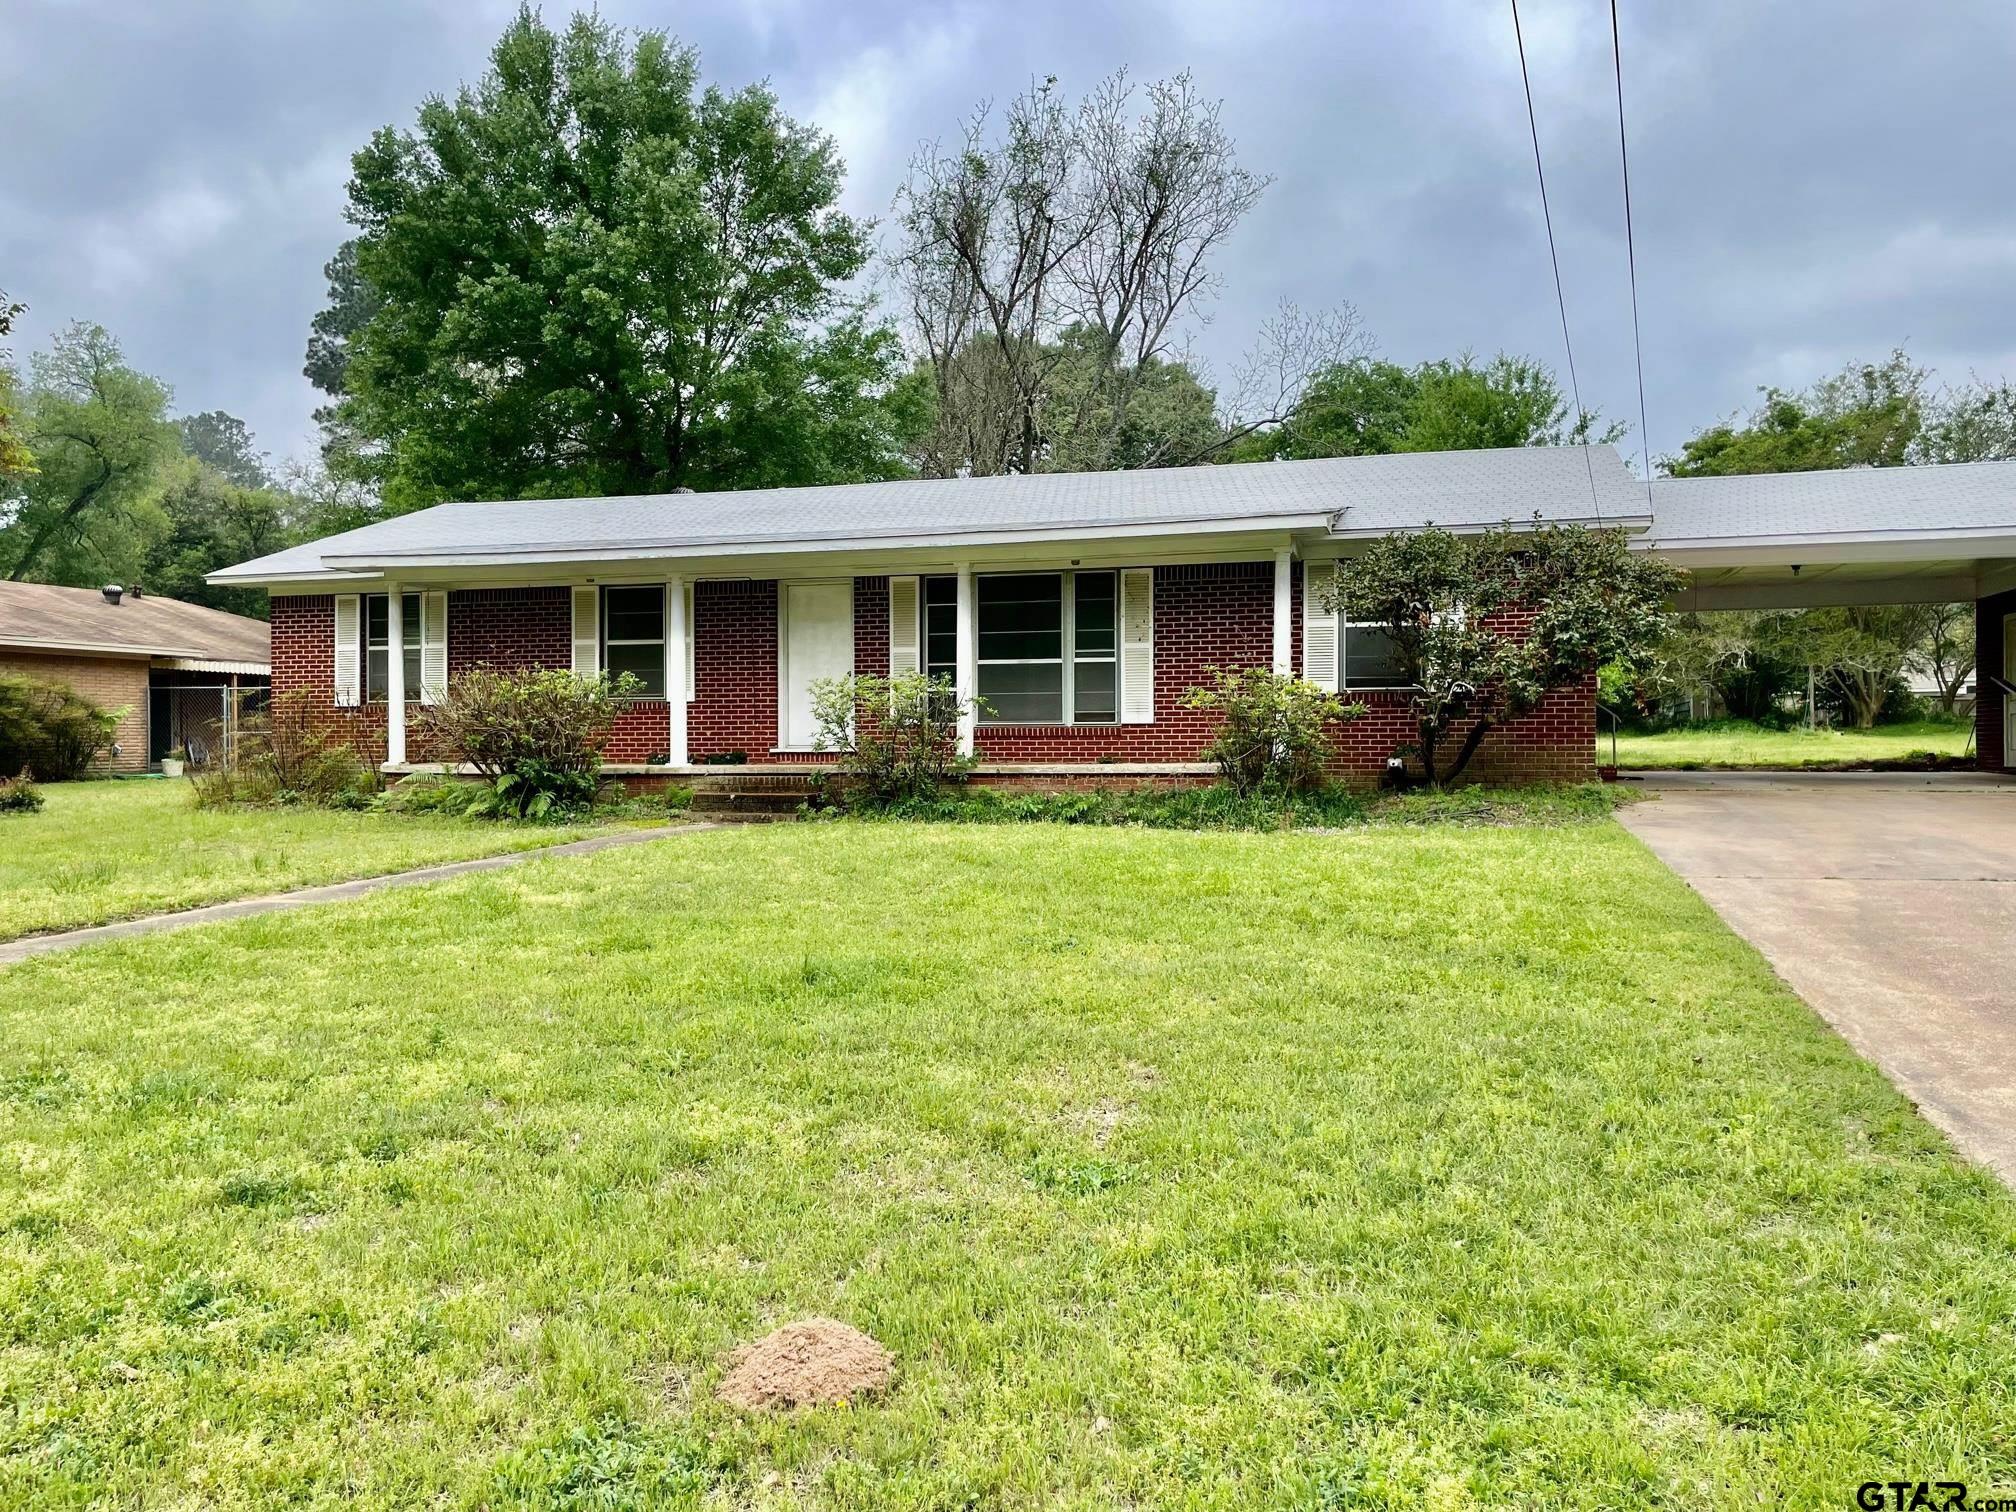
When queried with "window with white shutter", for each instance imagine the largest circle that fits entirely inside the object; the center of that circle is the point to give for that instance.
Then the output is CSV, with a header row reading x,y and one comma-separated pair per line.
x,y
587,632
348,651
433,647
1137,646
1319,625
905,644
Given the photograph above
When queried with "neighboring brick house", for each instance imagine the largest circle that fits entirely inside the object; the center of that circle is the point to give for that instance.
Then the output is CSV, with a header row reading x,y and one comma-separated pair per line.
x,y
1080,607
166,668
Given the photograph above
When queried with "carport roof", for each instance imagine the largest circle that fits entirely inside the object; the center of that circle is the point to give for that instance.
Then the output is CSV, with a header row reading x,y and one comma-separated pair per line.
x,y
1865,503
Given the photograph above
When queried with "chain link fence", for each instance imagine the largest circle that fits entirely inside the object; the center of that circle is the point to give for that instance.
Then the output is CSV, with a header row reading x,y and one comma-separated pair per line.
x,y
199,723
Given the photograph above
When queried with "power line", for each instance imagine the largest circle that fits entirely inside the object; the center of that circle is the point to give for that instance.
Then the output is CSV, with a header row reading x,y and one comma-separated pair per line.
x,y
1631,253
1560,299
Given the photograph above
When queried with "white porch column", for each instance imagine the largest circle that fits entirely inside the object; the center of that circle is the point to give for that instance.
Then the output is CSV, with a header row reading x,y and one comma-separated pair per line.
x,y
676,631
1284,618
967,679
395,676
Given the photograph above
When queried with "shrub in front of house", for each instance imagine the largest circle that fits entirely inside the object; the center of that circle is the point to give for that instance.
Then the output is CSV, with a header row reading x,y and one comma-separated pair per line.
x,y
287,755
535,737
1273,731
19,795
50,729
896,738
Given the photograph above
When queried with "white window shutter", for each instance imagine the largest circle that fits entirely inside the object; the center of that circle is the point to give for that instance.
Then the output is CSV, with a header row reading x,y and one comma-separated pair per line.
x,y
1320,640
349,634
905,654
587,632
1137,645
692,639
433,647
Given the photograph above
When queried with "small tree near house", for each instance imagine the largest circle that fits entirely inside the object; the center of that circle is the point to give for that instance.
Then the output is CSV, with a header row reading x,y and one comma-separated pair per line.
x,y
1486,625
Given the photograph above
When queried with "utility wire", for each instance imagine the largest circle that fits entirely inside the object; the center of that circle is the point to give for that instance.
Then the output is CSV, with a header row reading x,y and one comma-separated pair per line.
x,y
1631,252
1560,299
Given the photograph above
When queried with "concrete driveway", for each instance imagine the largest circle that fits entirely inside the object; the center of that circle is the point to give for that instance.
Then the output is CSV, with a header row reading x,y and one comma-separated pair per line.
x,y
1888,902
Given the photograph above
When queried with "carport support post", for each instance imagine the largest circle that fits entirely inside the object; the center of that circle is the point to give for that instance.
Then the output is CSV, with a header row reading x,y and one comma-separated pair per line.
x,y
967,669
395,677
1284,619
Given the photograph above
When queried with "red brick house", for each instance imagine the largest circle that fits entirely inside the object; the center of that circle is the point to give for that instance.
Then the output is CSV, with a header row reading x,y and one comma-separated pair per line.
x,y
1080,607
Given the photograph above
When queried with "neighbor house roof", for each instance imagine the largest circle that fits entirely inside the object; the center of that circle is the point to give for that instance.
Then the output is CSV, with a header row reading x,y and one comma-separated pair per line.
x,y
1872,504
39,617
1343,496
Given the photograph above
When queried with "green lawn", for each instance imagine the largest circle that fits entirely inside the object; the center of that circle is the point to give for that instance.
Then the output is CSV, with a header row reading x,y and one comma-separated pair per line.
x,y
1411,1166
109,850
1736,743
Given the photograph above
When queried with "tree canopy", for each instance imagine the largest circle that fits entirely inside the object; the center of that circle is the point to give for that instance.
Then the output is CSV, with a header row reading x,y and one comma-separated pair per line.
x,y
99,432
587,275
15,458
1369,406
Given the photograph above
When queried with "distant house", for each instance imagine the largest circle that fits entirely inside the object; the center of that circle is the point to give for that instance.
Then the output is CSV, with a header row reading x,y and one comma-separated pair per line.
x,y
168,669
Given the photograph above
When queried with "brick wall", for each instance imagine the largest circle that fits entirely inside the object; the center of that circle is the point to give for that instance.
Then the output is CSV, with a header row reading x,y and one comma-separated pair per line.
x,y
1217,614
1990,725
115,684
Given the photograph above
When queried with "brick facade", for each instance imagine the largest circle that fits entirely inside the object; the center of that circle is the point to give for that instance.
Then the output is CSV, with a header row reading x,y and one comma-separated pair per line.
x,y
1216,614
1990,724
117,684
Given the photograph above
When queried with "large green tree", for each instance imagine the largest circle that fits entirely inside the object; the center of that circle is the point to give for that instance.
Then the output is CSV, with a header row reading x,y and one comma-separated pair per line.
x,y
213,521
99,431
586,275
15,458
1369,406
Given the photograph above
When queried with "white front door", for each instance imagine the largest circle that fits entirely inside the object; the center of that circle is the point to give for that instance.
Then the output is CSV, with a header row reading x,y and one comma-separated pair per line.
x,y
816,641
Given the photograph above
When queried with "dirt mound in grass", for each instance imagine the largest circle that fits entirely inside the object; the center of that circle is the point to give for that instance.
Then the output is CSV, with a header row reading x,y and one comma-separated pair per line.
x,y
806,1364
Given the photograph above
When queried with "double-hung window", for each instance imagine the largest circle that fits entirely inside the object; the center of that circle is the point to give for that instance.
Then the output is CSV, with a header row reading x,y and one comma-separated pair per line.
x,y
378,645
1371,659
633,636
1047,645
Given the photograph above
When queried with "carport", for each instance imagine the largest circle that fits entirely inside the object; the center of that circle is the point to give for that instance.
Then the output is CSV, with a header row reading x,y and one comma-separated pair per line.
x,y
1875,535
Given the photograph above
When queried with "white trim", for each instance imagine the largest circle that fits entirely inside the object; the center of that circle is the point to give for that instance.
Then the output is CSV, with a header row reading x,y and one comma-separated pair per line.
x,y
967,642
1134,624
347,659
433,645
692,643
906,625
678,658
1284,614
1320,641
395,675
585,611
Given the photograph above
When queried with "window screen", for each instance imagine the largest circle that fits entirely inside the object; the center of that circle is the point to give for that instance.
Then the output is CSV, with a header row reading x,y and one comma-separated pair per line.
x,y
378,645
633,636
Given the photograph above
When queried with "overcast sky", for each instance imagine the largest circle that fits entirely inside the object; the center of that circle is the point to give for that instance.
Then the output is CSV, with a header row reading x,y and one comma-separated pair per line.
x,y
1813,182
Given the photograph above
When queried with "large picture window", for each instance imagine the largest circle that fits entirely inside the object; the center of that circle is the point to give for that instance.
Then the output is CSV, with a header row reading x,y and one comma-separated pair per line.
x,y
378,645
1047,648
633,636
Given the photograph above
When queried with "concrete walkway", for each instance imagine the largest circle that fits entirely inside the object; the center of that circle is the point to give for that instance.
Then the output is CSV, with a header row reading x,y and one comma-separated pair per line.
x,y
333,892
1888,902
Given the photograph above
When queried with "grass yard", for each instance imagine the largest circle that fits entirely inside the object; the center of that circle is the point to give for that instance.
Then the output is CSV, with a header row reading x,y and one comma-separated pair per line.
x,y
110,850
1738,743
1411,1166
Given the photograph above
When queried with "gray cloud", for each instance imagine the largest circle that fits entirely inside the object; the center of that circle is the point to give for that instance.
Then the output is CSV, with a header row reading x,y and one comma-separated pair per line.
x,y
1813,182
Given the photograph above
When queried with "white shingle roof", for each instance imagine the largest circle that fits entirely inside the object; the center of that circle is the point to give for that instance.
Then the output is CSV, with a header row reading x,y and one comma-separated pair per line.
x,y
1361,494
1963,497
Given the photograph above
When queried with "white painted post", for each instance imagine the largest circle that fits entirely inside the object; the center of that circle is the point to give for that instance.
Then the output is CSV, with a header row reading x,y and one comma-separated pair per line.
x,y
395,677
1284,619
676,631
967,678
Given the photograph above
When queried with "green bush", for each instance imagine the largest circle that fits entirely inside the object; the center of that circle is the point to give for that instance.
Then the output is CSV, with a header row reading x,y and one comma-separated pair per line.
x,y
19,795
536,737
897,737
1273,732
287,755
678,799
50,729
1216,807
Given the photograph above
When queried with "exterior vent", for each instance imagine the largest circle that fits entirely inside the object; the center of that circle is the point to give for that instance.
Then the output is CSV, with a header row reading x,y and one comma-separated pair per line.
x,y
112,592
